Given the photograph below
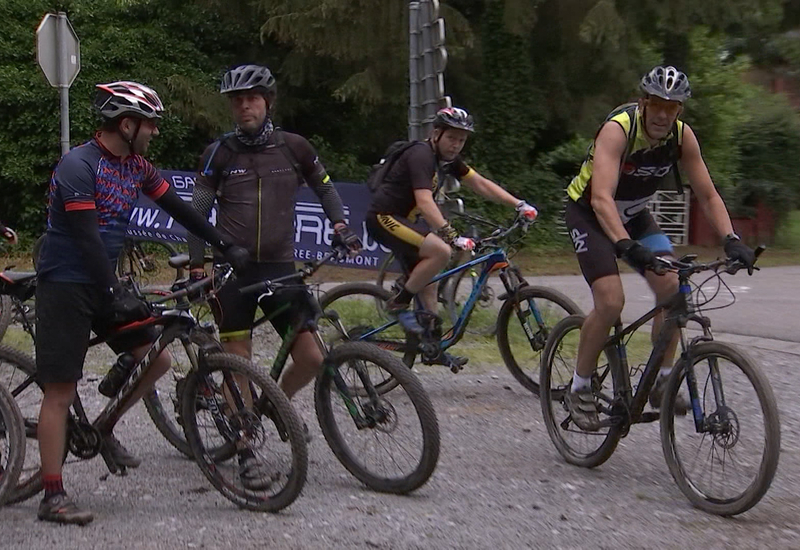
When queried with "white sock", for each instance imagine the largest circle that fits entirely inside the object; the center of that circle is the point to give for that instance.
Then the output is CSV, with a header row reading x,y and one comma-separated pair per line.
x,y
664,372
580,383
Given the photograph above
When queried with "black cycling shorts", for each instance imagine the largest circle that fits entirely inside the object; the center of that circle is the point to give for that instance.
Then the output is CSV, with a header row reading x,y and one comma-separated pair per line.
x,y
595,250
66,314
235,313
401,235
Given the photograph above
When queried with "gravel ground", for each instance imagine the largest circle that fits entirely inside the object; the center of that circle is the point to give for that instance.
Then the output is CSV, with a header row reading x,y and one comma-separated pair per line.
x,y
499,484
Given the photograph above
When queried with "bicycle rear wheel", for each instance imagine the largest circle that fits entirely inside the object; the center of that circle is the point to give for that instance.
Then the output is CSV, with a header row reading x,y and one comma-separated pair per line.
x,y
354,303
146,261
740,435
245,411
523,326
388,441
579,447
12,444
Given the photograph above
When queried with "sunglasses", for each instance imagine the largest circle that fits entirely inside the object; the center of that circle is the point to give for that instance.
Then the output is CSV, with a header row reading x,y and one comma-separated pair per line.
x,y
671,108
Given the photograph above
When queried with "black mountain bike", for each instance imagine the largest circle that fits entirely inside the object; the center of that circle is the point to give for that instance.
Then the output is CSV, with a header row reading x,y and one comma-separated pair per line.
x,y
224,394
388,442
733,428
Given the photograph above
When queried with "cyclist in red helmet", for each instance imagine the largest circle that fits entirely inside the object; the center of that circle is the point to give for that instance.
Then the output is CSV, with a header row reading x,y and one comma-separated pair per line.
x,y
404,216
92,193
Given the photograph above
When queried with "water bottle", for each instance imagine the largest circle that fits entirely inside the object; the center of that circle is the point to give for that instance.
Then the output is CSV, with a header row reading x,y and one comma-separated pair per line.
x,y
116,377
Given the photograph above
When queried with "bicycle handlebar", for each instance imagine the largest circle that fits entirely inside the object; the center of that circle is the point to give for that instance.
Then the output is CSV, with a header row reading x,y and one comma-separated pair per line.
x,y
689,267
501,233
199,288
270,286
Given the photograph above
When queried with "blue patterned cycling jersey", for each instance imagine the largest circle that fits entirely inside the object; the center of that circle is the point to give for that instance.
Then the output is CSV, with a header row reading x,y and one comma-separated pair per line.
x,y
89,177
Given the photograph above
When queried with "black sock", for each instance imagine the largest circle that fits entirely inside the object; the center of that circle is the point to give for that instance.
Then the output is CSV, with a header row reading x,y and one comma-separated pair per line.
x,y
403,297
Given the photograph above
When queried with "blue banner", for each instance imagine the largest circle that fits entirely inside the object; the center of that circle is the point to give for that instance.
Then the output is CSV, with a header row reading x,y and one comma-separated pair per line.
x,y
313,230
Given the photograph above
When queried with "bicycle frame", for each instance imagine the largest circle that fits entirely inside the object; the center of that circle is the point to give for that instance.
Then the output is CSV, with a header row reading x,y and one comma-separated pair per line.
x,y
287,343
678,311
492,261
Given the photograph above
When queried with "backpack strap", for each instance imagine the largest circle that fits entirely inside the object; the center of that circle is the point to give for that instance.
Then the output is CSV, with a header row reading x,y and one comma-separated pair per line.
x,y
219,159
279,141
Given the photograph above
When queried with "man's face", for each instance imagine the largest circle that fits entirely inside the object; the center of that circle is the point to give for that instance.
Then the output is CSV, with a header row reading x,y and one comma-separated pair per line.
x,y
660,115
249,110
450,143
148,129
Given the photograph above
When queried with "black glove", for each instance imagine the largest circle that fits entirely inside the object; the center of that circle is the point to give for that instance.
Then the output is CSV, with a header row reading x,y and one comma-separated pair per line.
x,y
124,307
737,250
348,238
638,256
238,257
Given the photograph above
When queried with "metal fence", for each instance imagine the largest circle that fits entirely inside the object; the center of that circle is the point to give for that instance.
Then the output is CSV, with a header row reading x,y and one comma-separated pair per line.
x,y
671,211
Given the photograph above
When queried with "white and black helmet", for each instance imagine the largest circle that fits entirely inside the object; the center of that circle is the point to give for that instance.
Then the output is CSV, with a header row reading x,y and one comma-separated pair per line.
x,y
453,117
667,83
125,98
248,77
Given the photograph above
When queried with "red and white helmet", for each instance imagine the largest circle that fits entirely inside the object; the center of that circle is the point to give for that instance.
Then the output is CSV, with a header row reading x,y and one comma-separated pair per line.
x,y
127,99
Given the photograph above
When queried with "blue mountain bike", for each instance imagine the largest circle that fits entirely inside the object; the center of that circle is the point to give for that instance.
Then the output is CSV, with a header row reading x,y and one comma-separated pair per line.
x,y
536,310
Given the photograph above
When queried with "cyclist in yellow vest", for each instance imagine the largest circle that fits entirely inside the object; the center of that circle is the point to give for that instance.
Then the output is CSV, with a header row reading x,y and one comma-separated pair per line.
x,y
607,217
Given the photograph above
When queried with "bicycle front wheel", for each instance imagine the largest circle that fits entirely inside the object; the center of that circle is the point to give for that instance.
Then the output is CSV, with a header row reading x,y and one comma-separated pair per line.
x,y
229,403
389,441
163,403
579,447
523,326
726,465
18,376
12,444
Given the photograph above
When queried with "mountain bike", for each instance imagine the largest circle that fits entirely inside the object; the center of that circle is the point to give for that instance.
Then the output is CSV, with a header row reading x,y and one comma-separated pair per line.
x,y
388,442
536,310
732,404
227,397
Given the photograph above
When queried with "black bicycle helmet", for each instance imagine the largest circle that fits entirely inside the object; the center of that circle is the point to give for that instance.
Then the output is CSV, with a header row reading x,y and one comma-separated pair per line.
x,y
667,83
127,99
248,77
453,117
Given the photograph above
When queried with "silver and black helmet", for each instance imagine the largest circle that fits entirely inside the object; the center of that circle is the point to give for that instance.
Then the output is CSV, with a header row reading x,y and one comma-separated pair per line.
x,y
248,77
453,117
667,83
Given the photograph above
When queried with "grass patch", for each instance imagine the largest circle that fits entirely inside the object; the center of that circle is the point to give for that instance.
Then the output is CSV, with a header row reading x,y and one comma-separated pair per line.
x,y
787,235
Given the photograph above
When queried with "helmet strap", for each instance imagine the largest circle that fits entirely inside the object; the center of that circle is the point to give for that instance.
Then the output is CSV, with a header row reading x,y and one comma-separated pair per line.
x,y
130,141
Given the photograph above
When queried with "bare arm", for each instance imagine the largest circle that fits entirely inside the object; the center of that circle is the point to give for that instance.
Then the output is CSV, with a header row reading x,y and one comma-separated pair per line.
x,y
608,150
489,189
712,204
427,206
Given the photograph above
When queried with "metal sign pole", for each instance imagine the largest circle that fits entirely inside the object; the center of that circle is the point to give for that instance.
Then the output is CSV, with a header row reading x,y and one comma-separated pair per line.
x,y
63,77
414,118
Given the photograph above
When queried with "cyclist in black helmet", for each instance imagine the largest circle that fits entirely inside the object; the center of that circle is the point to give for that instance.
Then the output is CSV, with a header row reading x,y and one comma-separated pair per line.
x,y
253,174
423,244
634,151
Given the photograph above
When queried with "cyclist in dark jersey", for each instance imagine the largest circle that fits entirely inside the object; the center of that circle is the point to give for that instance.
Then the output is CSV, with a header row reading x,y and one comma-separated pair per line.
x,y
607,218
253,174
92,193
403,210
